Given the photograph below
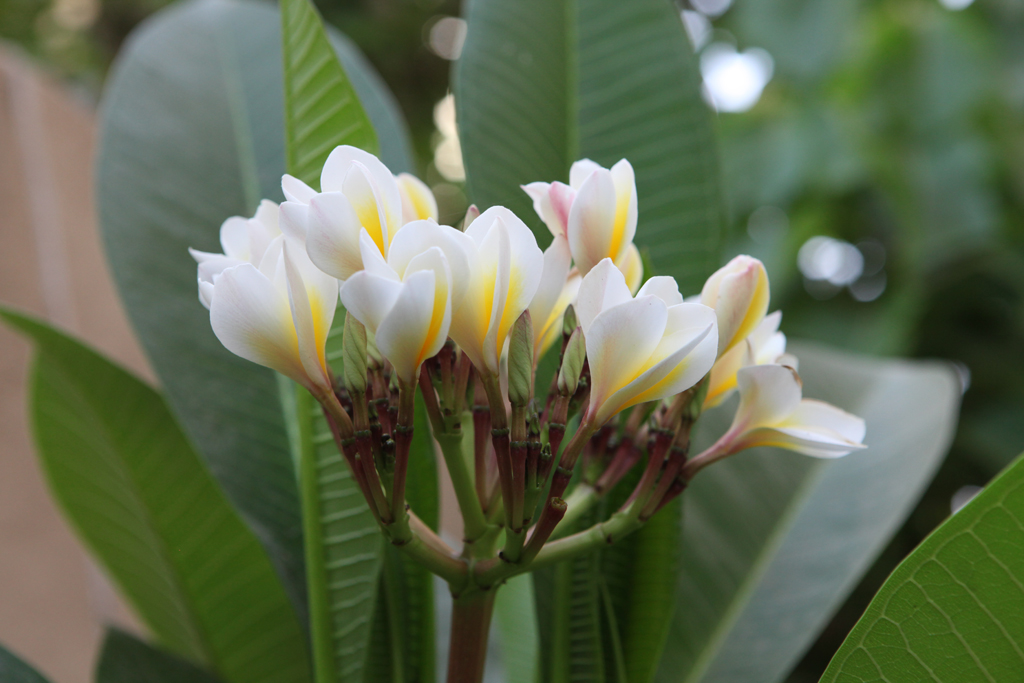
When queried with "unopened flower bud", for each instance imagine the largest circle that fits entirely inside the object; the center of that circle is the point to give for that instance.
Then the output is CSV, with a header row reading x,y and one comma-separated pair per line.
x,y
738,291
569,322
374,360
472,213
572,363
520,361
354,353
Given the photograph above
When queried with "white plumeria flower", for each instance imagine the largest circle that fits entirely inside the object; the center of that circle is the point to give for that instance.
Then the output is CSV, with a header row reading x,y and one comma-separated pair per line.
x,y
557,289
277,314
407,302
358,193
596,212
773,412
505,268
765,346
418,202
244,240
641,349
738,291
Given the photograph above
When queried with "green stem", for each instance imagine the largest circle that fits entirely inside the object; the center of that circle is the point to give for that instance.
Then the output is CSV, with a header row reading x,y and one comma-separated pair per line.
x,y
474,523
429,553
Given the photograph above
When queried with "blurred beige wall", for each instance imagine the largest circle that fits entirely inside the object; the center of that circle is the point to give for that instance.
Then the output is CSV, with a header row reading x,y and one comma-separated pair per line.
x,y
53,600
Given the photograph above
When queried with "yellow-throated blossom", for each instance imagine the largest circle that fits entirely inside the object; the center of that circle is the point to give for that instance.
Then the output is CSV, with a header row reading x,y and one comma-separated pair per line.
x,y
358,193
268,303
738,291
505,267
644,348
407,302
557,289
764,346
773,412
418,202
597,213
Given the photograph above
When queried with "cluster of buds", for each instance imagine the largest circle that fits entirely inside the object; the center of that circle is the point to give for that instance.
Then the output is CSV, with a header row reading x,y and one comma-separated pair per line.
x,y
464,316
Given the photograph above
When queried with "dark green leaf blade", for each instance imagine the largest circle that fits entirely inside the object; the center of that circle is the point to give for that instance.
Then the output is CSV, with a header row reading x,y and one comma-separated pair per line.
x,y
126,659
13,670
321,108
139,496
192,134
773,541
541,84
954,609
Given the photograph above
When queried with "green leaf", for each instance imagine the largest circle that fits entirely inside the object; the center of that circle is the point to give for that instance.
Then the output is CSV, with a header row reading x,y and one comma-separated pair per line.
x,y
954,609
542,83
321,108
191,133
13,670
515,617
773,541
141,499
126,659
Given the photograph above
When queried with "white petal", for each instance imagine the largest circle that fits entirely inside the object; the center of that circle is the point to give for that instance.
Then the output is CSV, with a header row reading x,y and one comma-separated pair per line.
x,y
368,203
295,220
210,268
603,287
580,171
722,382
339,164
332,238
252,319
295,190
685,354
632,267
815,444
619,343
206,293
625,206
234,238
373,261
739,293
768,395
418,202
410,332
818,415
416,237
313,302
369,297
201,256
664,287
592,220
538,192
544,311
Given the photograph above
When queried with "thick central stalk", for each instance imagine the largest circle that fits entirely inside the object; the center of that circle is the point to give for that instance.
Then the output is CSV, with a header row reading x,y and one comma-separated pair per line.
x,y
471,624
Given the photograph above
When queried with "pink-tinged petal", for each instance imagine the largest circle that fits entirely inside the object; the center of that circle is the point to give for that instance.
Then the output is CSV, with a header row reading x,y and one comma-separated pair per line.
x,y
603,287
684,355
252,319
369,297
539,193
295,190
619,343
418,202
632,267
332,236
580,171
739,293
664,287
591,227
561,197
311,313
404,335
768,395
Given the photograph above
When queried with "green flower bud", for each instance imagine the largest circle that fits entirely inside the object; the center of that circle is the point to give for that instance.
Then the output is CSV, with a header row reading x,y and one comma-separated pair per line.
x,y
354,353
520,361
569,322
572,363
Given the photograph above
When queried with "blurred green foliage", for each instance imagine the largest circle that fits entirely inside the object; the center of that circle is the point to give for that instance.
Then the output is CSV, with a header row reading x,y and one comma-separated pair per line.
x,y
894,122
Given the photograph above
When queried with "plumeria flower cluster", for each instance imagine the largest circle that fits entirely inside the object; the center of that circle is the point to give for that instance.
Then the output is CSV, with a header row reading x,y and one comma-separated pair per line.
x,y
464,316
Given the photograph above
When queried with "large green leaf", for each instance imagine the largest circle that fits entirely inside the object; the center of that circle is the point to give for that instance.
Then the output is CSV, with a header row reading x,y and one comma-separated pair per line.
x,y
13,670
515,619
126,659
140,497
954,609
542,83
773,541
191,133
